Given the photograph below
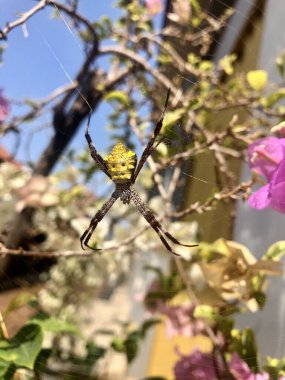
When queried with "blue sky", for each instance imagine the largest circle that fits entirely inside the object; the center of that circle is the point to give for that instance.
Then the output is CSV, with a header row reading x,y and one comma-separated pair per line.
x,y
30,69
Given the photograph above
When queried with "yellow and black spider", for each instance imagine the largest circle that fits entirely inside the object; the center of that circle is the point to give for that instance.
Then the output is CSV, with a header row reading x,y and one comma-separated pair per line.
x,y
122,168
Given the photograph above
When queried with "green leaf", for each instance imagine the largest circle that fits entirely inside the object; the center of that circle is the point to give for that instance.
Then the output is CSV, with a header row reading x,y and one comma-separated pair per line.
x,y
257,79
55,325
280,63
172,117
147,325
18,301
42,359
250,349
24,348
4,366
195,4
131,346
118,344
275,251
207,312
226,63
119,96
273,98
94,352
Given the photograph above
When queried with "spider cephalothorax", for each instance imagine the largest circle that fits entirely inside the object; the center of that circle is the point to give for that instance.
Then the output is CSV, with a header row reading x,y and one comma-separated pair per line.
x,y
121,163
122,168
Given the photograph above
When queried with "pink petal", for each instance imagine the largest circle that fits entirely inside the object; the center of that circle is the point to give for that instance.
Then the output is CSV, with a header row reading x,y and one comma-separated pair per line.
x,y
265,154
261,198
277,188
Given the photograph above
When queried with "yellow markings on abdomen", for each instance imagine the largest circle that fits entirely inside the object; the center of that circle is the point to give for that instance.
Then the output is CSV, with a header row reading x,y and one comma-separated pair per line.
x,y
121,163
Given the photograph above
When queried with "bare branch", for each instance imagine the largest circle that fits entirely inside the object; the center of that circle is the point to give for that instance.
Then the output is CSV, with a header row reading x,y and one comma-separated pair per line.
x,y
37,107
22,20
136,58
200,208
41,5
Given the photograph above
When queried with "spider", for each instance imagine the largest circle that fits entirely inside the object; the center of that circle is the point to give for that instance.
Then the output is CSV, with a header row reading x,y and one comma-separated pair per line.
x,y
122,168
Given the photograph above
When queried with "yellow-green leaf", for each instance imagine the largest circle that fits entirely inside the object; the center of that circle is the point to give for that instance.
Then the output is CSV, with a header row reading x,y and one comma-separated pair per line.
x,y
276,251
226,63
18,301
257,79
23,349
120,96
273,98
172,117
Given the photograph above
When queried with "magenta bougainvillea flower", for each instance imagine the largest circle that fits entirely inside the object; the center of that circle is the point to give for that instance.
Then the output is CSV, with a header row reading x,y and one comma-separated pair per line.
x,y
241,371
180,320
267,158
197,366
202,366
154,6
4,107
265,155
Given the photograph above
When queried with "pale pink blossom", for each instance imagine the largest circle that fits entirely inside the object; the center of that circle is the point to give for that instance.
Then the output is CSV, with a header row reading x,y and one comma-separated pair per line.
x,y
198,366
154,6
180,320
4,107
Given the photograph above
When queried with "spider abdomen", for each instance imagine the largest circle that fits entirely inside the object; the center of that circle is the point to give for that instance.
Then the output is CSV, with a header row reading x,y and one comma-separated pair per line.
x,y
121,163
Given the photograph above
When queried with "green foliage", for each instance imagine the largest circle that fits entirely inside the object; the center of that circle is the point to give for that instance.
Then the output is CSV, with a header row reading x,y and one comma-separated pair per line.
x,y
275,367
25,348
276,251
129,343
172,118
244,343
225,276
119,96
226,63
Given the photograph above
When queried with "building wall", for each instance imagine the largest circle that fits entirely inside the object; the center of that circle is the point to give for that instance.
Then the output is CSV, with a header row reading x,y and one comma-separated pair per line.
x,y
259,229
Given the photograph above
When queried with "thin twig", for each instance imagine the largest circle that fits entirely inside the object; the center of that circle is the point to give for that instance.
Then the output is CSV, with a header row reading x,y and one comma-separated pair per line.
x,y
22,20
134,57
37,106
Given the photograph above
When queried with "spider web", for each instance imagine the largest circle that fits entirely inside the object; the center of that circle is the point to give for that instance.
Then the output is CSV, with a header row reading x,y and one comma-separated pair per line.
x,y
59,63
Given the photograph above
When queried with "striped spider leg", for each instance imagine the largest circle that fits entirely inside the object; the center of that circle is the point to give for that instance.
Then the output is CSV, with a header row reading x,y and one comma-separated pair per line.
x,y
121,167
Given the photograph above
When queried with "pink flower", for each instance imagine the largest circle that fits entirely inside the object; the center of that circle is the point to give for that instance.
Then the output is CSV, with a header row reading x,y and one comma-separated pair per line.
x,y
4,107
180,321
241,371
154,6
198,366
267,157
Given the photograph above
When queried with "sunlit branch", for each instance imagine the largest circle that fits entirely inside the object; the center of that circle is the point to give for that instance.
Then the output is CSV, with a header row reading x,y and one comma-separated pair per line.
x,y
240,191
136,58
37,107
41,5
22,20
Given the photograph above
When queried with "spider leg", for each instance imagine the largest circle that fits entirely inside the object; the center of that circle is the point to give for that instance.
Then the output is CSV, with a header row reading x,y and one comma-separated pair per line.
x,y
175,241
150,146
95,220
155,224
93,151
